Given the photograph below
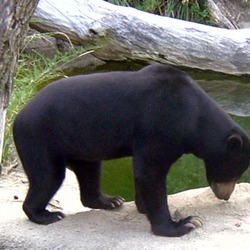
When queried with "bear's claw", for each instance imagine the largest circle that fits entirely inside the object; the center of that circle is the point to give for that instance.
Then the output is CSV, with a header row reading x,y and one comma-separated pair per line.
x,y
104,202
45,217
194,222
177,229
116,201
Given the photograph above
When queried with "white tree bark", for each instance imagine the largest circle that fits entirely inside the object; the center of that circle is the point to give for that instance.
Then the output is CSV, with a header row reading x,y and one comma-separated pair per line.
x,y
219,18
14,17
128,34
231,14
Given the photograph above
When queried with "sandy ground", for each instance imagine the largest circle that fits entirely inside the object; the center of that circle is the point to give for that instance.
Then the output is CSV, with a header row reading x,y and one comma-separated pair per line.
x,y
226,225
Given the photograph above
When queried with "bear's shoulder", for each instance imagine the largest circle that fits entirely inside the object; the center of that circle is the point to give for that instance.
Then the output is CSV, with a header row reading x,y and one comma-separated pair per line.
x,y
167,76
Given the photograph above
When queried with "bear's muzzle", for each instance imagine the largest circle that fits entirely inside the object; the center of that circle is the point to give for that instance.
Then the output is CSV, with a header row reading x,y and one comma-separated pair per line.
x,y
223,190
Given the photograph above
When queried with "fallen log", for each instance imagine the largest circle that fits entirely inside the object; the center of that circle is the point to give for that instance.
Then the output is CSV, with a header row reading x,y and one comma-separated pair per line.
x,y
124,33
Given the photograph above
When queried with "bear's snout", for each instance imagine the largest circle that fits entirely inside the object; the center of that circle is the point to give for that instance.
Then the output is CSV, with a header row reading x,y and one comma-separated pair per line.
x,y
223,190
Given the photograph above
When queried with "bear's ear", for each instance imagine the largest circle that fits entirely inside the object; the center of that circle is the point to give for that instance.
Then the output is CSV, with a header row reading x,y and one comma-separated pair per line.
x,y
234,142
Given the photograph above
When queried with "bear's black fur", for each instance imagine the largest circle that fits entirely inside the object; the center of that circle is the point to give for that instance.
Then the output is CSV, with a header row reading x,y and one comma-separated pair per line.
x,y
154,115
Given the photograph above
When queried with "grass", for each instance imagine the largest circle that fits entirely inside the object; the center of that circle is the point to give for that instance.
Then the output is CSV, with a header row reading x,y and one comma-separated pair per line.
x,y
247,3
189,10
34,71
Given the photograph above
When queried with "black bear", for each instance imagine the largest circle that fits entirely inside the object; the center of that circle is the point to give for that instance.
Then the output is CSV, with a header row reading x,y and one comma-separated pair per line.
x,y
154,115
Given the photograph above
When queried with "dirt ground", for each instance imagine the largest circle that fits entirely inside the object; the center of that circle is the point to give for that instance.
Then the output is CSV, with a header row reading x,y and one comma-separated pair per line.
x,y
226,225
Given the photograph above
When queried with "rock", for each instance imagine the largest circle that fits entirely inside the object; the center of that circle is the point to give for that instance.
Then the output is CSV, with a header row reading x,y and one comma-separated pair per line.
x,y
36,42
226,225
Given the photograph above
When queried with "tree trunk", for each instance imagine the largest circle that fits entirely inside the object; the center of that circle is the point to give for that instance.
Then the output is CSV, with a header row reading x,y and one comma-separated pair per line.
x,y
124,33
231,14
14,19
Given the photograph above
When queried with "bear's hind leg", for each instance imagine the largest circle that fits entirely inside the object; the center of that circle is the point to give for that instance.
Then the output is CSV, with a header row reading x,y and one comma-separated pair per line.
x,y
88,176
44,183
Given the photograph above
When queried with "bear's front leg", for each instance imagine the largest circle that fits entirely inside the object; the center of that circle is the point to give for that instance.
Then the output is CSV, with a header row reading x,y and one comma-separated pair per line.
x,y
150,185
88,176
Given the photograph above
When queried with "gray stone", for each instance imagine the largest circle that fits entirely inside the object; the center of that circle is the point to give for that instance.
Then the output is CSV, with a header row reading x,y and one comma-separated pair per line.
x,y
39,43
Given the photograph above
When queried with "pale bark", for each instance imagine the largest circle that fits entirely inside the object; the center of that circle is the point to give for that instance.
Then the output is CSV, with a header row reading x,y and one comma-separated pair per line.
x,y
231,14
128,34
13,25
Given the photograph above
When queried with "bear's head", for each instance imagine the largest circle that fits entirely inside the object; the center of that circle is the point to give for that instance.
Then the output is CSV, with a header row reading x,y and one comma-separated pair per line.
x,y
225,168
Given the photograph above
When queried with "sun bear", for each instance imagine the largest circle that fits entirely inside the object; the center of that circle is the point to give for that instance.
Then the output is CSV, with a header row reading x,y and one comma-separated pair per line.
x,y
155,115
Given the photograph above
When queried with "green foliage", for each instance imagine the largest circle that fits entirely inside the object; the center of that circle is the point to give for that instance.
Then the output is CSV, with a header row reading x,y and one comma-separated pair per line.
x,y
190,10
33,72
117,178
247,3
